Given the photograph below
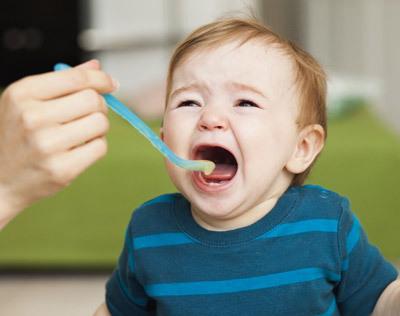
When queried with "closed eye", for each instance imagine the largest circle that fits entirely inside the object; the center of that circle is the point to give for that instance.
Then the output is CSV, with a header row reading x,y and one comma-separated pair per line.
x,y
246,103
188,103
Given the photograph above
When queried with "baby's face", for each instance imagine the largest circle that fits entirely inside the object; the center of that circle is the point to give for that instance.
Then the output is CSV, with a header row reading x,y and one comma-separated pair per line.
x,y
238,107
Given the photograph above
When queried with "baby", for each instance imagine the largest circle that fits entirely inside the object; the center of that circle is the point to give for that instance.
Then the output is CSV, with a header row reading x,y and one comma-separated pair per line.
x,y
248,239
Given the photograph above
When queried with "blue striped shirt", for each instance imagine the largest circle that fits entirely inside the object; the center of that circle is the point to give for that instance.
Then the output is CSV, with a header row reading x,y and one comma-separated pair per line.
x,y
307,256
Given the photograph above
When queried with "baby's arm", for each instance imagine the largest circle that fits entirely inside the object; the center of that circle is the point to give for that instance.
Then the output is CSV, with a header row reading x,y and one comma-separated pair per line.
x,y
389,301
102,311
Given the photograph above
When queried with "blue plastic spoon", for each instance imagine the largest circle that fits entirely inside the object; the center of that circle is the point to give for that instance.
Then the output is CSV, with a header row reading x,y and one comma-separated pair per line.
x,y
118,107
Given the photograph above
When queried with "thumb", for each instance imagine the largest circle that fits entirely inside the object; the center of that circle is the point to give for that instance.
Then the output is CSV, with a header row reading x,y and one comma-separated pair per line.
x,y
91,64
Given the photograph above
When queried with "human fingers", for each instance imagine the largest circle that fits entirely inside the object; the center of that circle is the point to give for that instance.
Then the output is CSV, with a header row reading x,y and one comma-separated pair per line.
x,y
60,83
64,109
66,166
90,64
51,140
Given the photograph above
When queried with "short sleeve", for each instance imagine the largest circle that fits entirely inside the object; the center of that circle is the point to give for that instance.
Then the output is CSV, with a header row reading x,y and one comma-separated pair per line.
x,y
124,294
364,272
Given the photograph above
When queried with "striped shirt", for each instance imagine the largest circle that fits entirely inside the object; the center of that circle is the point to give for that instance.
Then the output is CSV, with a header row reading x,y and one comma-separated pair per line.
x,y
307,256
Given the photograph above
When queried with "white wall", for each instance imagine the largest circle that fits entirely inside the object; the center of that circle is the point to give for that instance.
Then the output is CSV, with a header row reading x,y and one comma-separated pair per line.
x,y
359,38
119,24
125,21
391,63
355,38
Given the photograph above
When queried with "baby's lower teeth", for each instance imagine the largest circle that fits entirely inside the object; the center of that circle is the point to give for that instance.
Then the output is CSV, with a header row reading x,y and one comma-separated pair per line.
x,y
216,181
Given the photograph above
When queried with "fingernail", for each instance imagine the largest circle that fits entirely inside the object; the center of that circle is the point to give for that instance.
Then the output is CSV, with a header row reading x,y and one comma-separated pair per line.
x,y
116,84
94,62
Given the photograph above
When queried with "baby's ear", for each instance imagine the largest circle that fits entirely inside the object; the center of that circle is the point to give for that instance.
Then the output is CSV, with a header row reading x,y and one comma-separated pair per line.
x,y
309,144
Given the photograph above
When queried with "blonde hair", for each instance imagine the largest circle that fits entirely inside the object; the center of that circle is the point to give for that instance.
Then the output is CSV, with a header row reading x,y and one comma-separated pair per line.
x,y
310,78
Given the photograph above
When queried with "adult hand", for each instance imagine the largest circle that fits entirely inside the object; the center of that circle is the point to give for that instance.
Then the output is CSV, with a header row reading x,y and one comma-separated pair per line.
x,y
52,127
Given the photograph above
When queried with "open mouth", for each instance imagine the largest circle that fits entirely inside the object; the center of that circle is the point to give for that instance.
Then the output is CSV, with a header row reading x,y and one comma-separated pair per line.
x,y
225,164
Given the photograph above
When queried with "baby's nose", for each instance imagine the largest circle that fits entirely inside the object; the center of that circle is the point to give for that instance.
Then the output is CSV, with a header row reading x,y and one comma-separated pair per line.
x,y
212,120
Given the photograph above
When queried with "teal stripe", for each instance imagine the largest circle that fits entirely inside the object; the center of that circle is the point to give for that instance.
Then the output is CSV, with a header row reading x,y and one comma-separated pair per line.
x,y
175,239
353,236
345,264
166,198
161,240
306,226
331,309
351,242
239,285
131,263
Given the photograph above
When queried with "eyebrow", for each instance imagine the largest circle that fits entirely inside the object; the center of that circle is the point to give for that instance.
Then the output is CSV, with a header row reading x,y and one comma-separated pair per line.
x,y
192,86
242,86
235,85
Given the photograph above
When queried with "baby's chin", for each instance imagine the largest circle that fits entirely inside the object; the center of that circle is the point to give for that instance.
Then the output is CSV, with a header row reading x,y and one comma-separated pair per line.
x,y
215,210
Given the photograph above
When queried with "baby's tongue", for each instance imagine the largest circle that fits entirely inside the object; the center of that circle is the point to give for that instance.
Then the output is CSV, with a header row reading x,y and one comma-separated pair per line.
x,y
222,172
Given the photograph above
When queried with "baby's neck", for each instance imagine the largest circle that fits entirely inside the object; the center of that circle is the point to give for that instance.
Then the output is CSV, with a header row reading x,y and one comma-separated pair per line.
x,y
238,221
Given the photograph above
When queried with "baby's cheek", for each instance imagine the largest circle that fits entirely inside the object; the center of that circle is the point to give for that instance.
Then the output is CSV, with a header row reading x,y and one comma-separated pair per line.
x,y
177,140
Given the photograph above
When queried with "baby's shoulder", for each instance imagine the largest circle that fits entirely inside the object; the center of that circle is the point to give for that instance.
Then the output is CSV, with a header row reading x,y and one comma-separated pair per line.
x,y
154,215
322,201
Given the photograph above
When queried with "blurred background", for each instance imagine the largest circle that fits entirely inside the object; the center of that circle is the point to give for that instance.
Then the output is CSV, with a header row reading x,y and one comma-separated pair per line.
x,y
56,256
